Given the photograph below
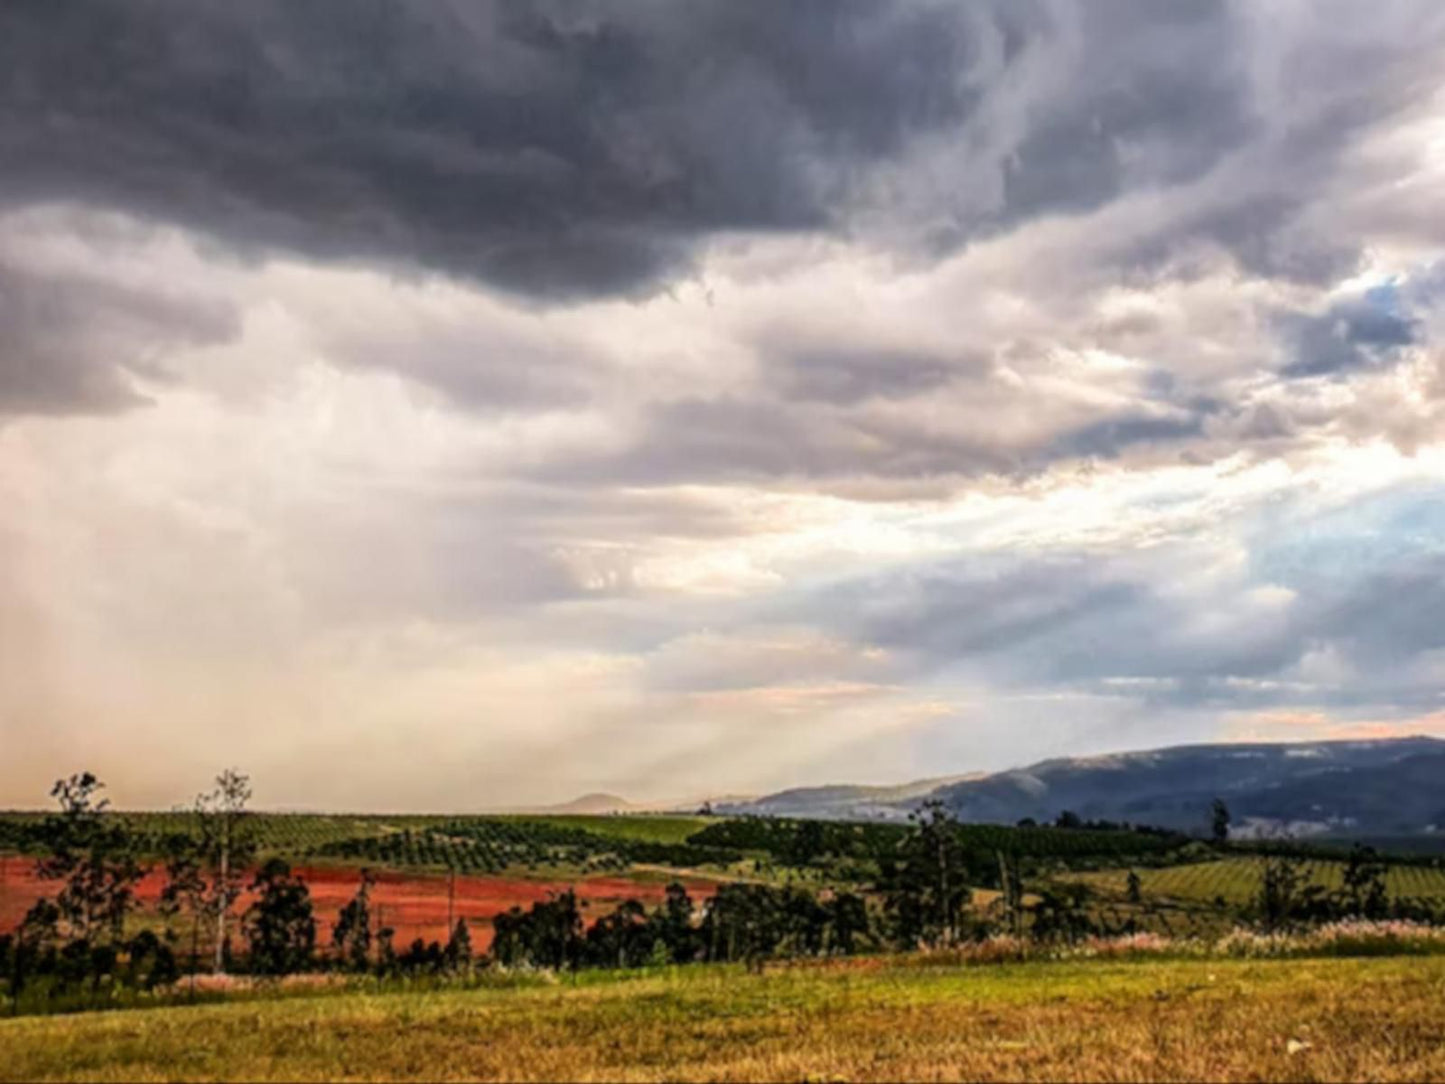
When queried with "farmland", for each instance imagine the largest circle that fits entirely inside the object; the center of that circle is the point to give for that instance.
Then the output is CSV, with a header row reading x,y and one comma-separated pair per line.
x,y
500,862
1236,881
413,904
869,1019
484,844
764,966
295,834
643,828
782,839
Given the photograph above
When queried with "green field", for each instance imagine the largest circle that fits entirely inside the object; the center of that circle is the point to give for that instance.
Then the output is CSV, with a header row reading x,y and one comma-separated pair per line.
x,y
1237,880
281,833
643,828
1363,1019
297,835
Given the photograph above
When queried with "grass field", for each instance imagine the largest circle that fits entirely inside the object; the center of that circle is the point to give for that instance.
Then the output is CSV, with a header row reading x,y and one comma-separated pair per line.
x,y
1237,880
1362,1019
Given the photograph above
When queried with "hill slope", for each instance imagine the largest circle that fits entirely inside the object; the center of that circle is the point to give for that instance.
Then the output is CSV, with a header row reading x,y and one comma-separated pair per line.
x,y
846,801
1367,786
1385,787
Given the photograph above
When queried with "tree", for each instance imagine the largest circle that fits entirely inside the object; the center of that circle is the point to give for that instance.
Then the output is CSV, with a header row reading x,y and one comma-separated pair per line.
x,y
926,888
458,953
1364,894
225,845
185,888
32,945
743,922
1285,895
848,923
351,934
386,959
1135,888
1219,821
672,925
557,931
422,956
94,854
149,962
623,938
1062,913
549,935
1011,894
807,844
280,926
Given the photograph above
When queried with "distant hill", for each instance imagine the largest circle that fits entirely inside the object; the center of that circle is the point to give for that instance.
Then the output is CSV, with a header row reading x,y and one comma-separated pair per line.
x,y
845,801
1385,787
602,803
590,804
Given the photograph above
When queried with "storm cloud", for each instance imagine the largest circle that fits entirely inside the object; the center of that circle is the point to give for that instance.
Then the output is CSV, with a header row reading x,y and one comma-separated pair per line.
x,y
585,149
686,398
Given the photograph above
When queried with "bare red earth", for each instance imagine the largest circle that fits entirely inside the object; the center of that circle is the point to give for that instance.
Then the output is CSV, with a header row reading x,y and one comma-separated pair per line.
x,y
413,905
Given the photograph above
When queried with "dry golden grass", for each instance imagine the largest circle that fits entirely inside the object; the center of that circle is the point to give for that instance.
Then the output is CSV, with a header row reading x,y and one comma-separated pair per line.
x,y
1325,1019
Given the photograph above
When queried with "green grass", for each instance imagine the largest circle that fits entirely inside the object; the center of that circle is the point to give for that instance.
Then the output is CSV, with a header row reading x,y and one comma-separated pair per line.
x,y
1373,1019
1237,880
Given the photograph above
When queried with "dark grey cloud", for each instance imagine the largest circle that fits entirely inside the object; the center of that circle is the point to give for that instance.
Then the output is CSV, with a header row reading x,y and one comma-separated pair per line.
x,y
551,149
582,149
72,344
567,150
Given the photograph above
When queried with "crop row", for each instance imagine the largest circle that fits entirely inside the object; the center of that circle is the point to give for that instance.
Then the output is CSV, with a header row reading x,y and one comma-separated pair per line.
x,y
490,846
803,841
1237,880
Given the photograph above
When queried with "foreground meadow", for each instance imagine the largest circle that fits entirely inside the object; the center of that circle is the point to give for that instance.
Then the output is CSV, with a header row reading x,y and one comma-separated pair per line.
x,y
874,1019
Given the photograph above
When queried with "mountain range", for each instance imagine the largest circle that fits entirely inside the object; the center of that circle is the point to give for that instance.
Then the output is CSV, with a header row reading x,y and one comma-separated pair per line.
x,y
1338,788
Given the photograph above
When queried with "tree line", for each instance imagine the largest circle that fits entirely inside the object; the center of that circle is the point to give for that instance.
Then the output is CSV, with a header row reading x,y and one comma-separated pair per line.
x,y
79,939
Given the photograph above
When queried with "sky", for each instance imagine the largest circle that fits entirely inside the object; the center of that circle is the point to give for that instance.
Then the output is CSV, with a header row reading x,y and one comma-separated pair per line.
x,y
442,406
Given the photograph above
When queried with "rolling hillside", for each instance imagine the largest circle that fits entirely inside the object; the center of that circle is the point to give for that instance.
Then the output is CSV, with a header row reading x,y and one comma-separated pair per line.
x,y
847,801
1356,788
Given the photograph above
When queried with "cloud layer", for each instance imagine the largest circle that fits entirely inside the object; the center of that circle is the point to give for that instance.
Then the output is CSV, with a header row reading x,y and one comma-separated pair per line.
x,y
581,396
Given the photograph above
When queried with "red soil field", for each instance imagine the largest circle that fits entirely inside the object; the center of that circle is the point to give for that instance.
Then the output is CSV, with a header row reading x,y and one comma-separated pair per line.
x,y
414,905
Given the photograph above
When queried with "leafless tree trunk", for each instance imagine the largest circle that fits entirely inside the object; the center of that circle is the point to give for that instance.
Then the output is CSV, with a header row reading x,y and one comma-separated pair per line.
x,y
223,903
221,813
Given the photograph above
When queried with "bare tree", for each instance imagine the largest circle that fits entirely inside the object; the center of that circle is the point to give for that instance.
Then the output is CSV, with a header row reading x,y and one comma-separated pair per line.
x,y
226,844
